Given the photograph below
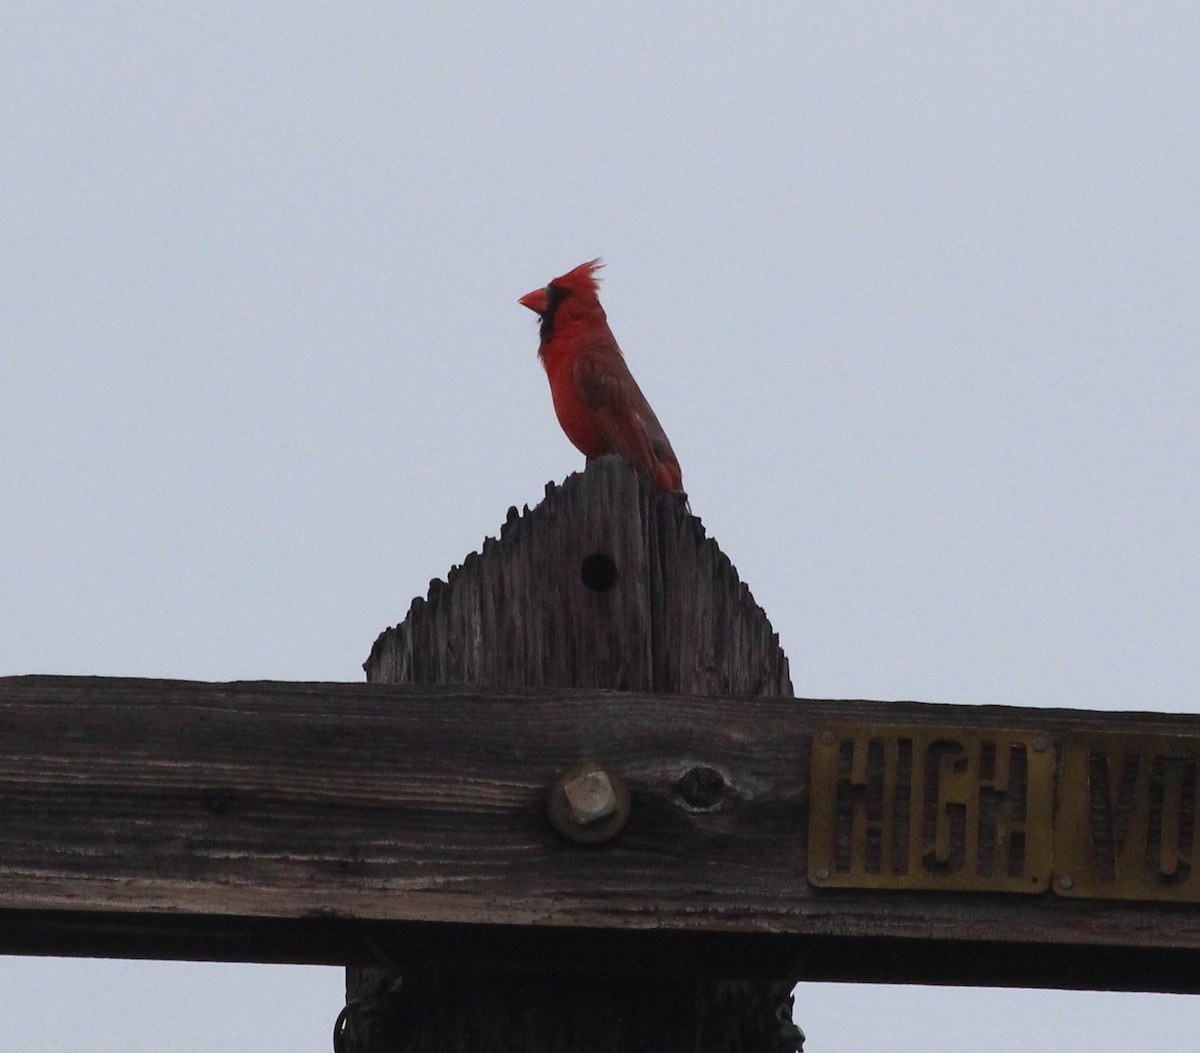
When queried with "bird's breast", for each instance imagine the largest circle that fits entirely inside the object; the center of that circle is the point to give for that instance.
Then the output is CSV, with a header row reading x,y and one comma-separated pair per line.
x,y
579,421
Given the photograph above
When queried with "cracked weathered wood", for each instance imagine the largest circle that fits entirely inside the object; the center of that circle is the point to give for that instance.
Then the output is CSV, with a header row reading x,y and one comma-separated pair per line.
x,y
605,584
676,619
361,823
339,822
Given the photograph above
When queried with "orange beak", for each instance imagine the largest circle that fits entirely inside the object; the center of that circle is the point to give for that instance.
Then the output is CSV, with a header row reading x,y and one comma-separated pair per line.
x,y
537,301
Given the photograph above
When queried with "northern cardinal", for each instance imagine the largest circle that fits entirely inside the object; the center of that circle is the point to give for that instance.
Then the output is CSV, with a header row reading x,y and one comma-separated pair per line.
x,y
598,403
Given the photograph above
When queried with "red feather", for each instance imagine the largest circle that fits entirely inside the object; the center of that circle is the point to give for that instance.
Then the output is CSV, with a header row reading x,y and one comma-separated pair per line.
x,y
598,403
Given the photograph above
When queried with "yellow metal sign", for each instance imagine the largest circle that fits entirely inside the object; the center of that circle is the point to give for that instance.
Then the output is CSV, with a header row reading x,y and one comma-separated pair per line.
x,y
921,806
1126,824
989,810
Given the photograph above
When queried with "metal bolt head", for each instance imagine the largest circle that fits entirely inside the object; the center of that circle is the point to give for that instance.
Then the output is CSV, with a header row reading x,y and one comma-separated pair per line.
x,y
821,873
1041,743
589,803
828,737
590,796
1065,882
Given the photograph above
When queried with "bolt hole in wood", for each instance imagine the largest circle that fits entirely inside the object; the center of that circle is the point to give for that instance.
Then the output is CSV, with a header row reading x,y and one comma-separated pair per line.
x,y
702,788
598,572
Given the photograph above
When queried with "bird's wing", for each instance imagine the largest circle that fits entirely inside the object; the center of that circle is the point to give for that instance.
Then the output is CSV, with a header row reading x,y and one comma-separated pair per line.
x,y
606,386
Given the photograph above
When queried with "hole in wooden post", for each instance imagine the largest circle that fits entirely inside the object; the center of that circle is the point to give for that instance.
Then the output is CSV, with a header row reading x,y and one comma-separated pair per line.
x,y
702,788
599,572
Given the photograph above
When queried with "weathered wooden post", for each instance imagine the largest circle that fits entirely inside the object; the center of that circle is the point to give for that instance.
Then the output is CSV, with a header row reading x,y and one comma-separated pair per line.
x,y
604,585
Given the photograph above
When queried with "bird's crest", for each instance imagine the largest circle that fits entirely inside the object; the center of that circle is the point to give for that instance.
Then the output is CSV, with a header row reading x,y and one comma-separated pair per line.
x,y
582,279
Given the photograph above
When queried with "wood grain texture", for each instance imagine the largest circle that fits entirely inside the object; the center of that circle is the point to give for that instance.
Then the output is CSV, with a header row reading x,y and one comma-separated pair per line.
x,y
605,584
342,810
405,824
677,620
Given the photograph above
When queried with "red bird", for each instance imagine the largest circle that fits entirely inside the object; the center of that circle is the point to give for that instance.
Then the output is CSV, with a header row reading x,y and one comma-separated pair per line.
x,y
598,403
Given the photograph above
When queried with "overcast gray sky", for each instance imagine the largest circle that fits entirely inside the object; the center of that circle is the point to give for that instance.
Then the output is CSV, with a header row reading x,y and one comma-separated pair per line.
x,y
914,289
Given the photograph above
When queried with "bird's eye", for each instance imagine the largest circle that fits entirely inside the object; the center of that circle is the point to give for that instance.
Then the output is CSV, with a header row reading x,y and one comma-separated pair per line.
x,y
554,296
